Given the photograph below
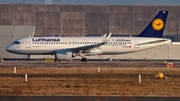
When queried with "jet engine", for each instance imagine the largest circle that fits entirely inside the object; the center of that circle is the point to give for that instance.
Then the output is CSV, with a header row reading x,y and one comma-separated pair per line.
x,y
63,55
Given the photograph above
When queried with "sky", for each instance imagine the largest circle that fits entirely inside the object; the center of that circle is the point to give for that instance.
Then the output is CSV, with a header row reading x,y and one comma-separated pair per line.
x,y
97,2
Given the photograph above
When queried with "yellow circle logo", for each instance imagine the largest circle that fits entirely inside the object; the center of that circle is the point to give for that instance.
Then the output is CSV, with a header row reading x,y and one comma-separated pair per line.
x,y
158,24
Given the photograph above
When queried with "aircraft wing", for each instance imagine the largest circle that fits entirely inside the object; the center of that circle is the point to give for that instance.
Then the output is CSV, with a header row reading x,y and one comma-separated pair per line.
x,y
92,46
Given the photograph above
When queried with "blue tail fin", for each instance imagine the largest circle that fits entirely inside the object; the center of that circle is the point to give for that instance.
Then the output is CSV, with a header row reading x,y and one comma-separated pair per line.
x,y
156,27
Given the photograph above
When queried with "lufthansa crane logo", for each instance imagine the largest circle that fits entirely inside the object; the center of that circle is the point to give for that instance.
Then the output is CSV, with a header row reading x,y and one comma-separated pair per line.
x,y
158,24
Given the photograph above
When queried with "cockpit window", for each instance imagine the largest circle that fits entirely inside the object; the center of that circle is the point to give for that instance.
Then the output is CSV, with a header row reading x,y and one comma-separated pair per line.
x,y
16,42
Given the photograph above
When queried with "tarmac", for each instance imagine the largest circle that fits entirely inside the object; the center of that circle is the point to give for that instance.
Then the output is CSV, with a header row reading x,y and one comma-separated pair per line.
x,y
91,63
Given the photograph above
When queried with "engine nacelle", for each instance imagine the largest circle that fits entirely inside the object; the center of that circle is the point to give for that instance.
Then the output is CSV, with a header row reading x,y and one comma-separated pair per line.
x,y
63,55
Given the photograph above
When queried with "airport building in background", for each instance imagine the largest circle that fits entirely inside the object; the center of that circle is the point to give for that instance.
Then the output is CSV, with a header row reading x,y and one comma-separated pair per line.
x,y
81,20
21,20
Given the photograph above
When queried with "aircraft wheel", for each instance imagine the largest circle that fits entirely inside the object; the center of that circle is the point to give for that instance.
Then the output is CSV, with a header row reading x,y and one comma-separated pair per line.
x,y
84,60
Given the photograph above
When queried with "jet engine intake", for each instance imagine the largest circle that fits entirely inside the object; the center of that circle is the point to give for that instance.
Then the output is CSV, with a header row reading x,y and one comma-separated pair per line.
x,y
63,55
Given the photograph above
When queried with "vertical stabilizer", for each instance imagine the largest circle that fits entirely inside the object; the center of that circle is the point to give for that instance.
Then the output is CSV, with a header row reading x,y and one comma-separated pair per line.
x,y
156,26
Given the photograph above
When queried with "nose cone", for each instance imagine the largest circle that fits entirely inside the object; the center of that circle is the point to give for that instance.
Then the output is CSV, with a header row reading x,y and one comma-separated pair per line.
x,y
9,49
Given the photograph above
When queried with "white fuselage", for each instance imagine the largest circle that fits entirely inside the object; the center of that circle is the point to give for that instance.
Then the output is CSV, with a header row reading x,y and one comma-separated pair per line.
x,y
115,45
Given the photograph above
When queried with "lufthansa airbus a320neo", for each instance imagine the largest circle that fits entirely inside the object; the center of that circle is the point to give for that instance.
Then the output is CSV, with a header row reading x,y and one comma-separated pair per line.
x,y
65,48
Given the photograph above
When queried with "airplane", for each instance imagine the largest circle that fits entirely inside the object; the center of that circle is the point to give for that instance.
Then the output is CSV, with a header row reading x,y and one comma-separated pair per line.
x,y
66,48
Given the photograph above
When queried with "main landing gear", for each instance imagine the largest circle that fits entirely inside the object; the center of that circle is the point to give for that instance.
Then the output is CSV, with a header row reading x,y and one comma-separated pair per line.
x,y
84,59
28,58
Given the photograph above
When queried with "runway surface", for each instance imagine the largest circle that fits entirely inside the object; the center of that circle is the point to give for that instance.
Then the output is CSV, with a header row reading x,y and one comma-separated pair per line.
x,y
78,63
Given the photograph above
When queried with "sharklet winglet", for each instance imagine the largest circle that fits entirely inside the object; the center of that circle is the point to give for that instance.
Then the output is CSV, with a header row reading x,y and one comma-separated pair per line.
x,y
107,38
